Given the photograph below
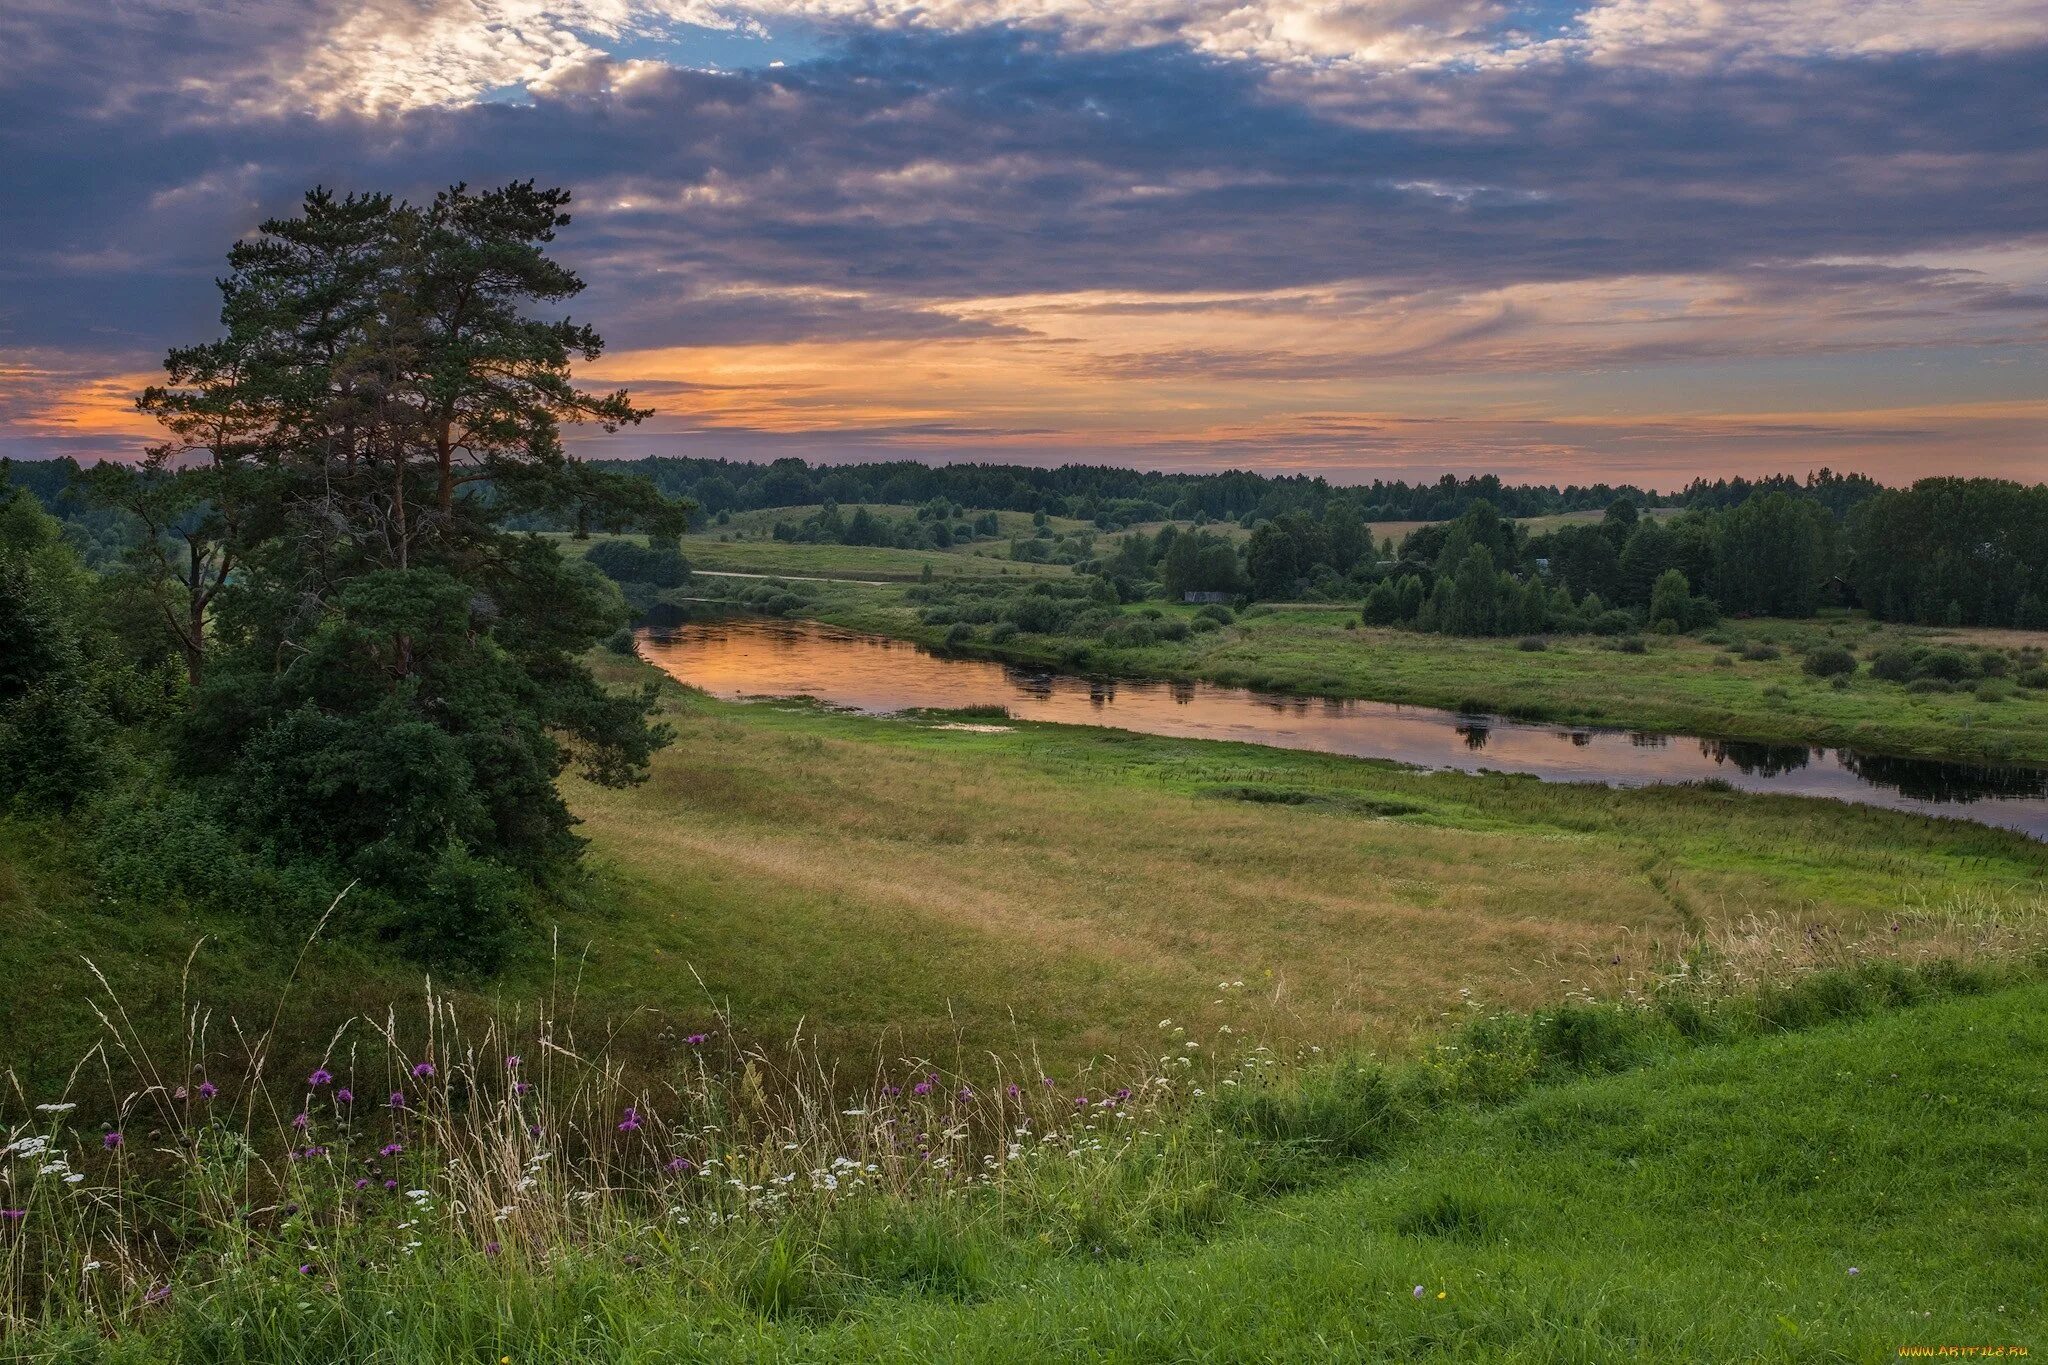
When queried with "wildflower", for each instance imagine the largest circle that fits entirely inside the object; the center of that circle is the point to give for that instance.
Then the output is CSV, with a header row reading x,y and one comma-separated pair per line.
x,y
966,1092
697,1039
13,1215
1013,1092
179,1093
520,1087
391,1184
1854,1271
422,1070
207,1090
344,1096
492,1249
363,1183
892,1091
1442,1294
110,1141
1124,1093
921,1088
512,1063
1418,1291
55,1108
391,1149
300,1120
157,1294
398,1099
321,1076
1046,1081
678,1165
629,1122
305,1270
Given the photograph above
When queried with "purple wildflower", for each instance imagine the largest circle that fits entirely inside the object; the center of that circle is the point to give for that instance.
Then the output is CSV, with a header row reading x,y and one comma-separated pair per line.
x,y
1046,1081
422,1070
305,1270
156,1295
398,1099
696,1039
13,1215
629,1122
521,1087
492,1248
110,1141
300,1120
344,1096
1013,1092
1418,1291
391,1149
391,1184
321,1076
1854,1271
892,1091
677,1165
363,1183
1124,1093
207,1090
921,1088
512,1063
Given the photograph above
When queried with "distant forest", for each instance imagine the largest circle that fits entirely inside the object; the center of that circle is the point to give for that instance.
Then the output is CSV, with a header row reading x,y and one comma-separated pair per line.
x,y
1946,551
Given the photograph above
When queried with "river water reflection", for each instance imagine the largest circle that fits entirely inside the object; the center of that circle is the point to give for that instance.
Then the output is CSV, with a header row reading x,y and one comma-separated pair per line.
x,y
749,657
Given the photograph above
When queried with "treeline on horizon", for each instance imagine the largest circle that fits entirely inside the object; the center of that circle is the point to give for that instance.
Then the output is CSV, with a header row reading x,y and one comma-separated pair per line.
x,y
1944,551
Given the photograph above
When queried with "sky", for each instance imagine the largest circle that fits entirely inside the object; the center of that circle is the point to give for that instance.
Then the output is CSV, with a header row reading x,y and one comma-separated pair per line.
x,y
1554,240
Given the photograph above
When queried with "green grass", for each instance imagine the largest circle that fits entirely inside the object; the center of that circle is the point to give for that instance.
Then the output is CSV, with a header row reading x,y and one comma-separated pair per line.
x,y
1860,1183
1711,1208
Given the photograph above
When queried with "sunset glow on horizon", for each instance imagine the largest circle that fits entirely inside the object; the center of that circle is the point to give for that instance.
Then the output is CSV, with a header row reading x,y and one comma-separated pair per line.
x,y
1612,240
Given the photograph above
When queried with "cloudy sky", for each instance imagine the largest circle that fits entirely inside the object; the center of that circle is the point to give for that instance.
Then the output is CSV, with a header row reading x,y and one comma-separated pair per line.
x,y
1551,239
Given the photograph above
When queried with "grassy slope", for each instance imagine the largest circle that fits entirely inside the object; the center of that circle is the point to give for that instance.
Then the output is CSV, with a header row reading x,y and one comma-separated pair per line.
x,y
1073,886
1706,1209
1677,686
1710,1206
894,884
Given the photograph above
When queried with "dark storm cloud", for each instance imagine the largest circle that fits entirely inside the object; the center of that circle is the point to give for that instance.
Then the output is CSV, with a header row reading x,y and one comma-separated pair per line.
x,y
908,168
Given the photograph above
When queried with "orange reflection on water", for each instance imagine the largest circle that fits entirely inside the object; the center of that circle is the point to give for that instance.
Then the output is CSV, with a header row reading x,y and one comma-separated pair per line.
x,y
761,658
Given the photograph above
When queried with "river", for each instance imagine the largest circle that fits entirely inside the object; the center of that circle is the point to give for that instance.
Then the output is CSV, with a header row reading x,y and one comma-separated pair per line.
x,y
752,657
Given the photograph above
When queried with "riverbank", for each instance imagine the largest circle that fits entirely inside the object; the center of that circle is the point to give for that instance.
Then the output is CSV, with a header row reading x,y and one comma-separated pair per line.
x,y
1742,681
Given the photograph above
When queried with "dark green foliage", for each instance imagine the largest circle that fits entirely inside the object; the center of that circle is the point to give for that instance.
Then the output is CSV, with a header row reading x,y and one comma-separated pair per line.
x,y
622,561
1829,661
1960,551
390,681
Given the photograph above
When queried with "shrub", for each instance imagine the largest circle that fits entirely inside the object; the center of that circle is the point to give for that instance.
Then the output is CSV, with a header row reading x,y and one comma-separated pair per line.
x,y
1949,665
1923,686
1632,644
1532,644
1002,632
1216,612
1757,652
1893,664
959,634
1616,622
1993,689
1204,625
620,641
1829,661
2035,677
